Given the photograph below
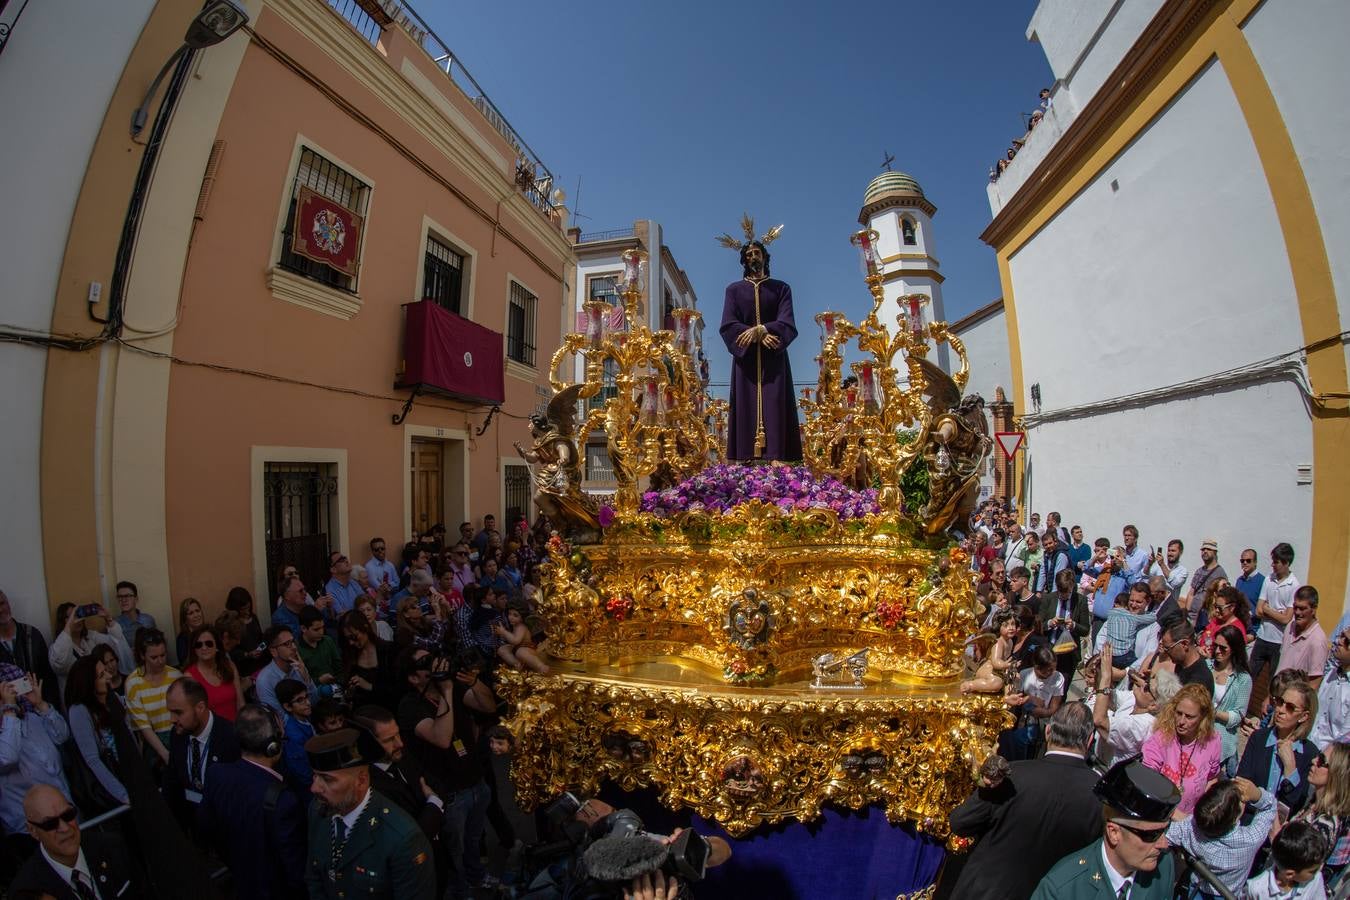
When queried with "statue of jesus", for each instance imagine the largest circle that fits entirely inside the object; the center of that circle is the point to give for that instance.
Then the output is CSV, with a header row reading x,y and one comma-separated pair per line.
x,y
758,326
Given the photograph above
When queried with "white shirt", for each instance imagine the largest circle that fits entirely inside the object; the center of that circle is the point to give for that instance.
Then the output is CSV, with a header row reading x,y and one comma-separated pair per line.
x,y
351,818
81,866
1333,709
1043,689
1263,887
1175,581
268,769
1129,730
1116,879
1279,595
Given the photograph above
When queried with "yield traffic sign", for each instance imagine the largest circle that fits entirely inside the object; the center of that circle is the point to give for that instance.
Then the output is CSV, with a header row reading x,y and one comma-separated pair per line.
x,y
1009,441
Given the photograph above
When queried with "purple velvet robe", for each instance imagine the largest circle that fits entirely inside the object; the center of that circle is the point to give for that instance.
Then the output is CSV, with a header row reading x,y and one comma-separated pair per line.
x,y
782,435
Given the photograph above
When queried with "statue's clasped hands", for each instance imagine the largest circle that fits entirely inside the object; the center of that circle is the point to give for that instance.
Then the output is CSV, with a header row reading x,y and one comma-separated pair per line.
x,y
758,333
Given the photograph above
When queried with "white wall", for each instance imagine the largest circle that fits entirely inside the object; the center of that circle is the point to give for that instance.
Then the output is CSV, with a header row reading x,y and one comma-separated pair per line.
x,y
1193,468
55,84
987,347
1084,40
1180,273
1300,45
1177,273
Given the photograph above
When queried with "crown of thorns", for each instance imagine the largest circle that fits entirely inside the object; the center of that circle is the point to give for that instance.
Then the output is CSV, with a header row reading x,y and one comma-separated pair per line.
x,y
748,226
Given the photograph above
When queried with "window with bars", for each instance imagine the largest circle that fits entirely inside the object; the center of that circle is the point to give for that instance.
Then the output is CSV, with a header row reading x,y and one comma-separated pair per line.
x,y
325,177
300,503
605,288
520,325
443,276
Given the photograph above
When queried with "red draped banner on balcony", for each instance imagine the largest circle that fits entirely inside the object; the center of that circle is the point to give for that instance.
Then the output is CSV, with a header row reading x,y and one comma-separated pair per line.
x,y
326,232
451,355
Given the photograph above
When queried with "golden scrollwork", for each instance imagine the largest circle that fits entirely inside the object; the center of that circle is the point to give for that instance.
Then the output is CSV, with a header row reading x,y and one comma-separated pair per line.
x,y
816,583
746,756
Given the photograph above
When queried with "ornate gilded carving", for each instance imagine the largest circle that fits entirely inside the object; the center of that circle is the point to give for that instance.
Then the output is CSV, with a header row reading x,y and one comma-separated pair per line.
x,y
749,756
685,646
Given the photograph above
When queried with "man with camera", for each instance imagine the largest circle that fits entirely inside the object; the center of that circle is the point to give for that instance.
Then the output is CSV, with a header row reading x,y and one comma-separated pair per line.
x,y
438,732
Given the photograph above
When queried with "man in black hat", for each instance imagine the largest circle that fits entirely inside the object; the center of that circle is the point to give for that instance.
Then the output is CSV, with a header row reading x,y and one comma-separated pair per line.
x,y
360,843
1130,861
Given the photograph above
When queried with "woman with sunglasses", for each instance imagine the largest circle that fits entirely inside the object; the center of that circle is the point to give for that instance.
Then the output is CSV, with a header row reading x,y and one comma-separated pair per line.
x,y
1225,605
1184,745
1232,688
1278,757
1329,809
209,665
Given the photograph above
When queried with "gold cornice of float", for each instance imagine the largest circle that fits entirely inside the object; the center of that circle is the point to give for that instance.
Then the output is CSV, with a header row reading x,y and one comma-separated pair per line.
x,y
750,756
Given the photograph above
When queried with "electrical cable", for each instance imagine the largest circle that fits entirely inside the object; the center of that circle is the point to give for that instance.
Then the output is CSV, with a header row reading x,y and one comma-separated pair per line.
x,y
1289,365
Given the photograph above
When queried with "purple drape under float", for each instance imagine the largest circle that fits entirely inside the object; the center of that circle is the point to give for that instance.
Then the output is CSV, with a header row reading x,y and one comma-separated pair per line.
x,y
858,855
783,436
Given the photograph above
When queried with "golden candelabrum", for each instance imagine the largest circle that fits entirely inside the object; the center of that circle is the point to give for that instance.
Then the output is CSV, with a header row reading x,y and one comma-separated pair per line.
x,y
866,431
658,419
683,646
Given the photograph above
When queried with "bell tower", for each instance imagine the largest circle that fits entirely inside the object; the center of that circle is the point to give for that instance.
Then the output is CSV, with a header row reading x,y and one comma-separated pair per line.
x,y
896,209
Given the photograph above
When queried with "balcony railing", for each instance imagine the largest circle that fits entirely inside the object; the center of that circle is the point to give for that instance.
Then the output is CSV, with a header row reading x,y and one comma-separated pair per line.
x,y
609,235
369,18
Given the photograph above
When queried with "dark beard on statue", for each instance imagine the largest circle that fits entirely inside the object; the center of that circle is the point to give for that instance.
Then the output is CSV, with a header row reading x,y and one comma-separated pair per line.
x,y
754,268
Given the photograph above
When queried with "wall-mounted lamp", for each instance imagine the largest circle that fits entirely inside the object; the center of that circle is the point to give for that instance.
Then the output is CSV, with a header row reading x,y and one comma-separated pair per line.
x,y
218,20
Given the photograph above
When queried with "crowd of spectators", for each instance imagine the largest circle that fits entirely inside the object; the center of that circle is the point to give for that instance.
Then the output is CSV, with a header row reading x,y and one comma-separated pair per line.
x,y
114,716
1033,120
1230,690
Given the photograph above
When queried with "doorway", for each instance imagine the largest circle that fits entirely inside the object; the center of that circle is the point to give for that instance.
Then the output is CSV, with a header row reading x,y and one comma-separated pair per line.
x,y
428,485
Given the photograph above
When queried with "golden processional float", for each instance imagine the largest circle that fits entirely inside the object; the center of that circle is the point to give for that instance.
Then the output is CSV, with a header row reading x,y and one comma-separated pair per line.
x,y
755,641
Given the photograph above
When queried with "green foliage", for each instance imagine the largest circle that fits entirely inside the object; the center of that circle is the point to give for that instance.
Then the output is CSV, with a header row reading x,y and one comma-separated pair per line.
x,y
914,483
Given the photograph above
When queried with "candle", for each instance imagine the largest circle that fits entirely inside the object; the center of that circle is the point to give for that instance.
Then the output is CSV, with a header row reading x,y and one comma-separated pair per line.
x,y
651,405
866,242
851,397
595,322
868,383
634,264
915,319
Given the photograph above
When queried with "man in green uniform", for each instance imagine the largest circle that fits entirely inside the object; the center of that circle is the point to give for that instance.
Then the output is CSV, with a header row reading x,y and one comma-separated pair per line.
x,y
360,843
1130,861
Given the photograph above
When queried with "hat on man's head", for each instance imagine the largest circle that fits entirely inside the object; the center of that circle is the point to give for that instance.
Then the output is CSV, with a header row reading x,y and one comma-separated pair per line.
x,y
1209,544
1138,792
345,748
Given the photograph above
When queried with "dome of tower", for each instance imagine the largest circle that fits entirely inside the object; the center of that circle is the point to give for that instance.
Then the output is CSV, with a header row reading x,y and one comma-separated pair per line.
x,y
891,184
893,189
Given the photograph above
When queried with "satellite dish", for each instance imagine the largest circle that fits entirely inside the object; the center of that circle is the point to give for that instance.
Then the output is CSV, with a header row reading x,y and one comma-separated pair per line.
x,y
559,196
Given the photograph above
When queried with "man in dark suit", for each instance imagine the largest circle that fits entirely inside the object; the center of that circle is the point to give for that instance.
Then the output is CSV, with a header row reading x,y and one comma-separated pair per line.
x,y
398,775
199,740
69,866
1042,809
1066,619
255,822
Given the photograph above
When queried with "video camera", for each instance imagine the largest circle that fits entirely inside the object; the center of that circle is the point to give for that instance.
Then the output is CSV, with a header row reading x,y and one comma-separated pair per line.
x,y
604,857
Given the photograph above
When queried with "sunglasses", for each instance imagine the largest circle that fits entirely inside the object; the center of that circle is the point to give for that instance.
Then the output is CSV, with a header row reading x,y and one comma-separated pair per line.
x,y
1147,835
1290,707
1320,760
68,815
204,643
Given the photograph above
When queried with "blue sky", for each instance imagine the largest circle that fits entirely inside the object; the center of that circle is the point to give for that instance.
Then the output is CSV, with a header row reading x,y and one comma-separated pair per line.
x,y
689,113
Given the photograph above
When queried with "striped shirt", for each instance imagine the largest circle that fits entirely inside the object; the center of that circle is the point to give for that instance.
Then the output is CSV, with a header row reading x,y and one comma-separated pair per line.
x,y
145,702
1122,626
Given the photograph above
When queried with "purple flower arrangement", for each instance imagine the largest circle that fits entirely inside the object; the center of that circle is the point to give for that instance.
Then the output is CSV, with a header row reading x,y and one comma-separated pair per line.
x,y
789,488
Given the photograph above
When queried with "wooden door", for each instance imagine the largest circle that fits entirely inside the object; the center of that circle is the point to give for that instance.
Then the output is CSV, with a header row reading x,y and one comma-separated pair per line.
x,y
428,488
